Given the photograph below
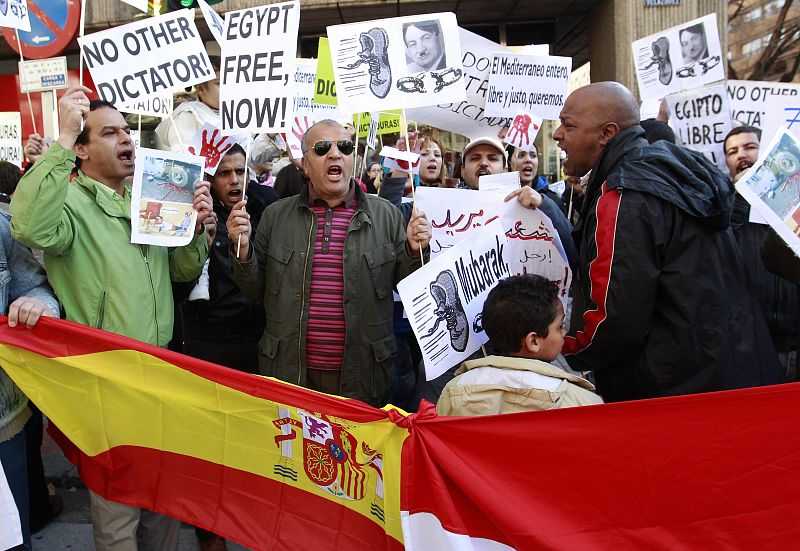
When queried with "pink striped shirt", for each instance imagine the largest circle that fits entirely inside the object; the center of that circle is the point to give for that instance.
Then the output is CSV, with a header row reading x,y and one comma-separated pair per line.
x,y
326,325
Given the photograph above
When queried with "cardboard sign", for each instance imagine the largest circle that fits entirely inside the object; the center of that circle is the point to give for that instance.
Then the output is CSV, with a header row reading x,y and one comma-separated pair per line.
x,y
535,84
504,182
11,138
444,298
766,105
149,57
215,22
523,131
468,117
772,186
14,15
210,144
162,195
39,75
702,118
397,63
533,243
258,60
325,83
153,106
679,58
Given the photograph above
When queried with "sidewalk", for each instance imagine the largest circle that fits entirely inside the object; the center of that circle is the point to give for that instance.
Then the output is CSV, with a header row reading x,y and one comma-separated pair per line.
x,y
72,529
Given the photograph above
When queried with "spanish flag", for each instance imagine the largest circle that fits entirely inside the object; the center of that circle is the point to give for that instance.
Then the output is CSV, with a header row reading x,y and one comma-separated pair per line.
x,y
263,463
273,466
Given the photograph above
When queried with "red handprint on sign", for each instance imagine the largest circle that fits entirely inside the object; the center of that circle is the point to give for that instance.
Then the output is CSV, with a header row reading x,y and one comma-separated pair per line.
x,y
213,152
301,125
519,129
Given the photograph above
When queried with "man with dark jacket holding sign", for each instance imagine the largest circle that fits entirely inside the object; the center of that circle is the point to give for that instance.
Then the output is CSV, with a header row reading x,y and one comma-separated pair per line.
x,y
661,305
325,263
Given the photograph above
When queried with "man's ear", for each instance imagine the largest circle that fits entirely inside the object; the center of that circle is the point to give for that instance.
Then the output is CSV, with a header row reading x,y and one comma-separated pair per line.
x,y
608,131
531,343
80,150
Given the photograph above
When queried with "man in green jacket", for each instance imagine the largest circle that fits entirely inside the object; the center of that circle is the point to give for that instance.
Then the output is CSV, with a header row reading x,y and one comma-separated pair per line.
x,y
101,278
325,263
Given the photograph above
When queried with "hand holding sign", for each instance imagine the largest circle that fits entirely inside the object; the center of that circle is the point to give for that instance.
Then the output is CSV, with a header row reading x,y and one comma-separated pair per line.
x,y
72,108
239,229
418,232
202,204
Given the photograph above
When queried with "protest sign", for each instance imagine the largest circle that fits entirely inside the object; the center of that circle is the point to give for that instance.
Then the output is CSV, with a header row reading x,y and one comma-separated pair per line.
x,y
325,82
444,298
467,117
504,182
396,159
535,84
258,63
140,5
766,105
162,195
153,106
388,123
533,244
215,22
306,110
772,186
372,135
38,75
397,63
11,138
14,15
679,58
210,144
11,534
523,131
702,118
145,58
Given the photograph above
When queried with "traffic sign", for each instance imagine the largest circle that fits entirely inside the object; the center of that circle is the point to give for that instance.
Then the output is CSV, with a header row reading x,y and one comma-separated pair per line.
x,y
54,24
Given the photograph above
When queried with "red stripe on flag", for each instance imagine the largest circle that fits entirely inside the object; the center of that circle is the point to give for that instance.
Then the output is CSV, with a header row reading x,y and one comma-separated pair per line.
x,y
707,471
53,338
606,212
254,511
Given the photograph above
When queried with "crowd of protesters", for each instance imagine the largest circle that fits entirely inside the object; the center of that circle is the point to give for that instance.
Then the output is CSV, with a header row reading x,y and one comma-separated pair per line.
x,y
293,262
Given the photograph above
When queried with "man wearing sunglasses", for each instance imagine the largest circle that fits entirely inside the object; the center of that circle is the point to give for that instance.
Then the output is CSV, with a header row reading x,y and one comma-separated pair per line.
x,y
325,263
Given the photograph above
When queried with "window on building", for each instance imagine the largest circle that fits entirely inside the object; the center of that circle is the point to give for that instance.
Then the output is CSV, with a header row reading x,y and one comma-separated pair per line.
x,y
753,14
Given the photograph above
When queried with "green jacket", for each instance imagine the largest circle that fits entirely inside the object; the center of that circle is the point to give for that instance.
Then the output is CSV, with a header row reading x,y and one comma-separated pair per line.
x,y
279,271
101,278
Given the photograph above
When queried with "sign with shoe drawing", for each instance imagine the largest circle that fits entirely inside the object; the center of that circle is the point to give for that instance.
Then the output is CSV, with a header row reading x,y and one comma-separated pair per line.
x,y
397,63
679,58
444,298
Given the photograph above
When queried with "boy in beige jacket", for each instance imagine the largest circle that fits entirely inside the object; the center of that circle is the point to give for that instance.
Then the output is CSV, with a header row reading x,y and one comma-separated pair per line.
x,y
524,320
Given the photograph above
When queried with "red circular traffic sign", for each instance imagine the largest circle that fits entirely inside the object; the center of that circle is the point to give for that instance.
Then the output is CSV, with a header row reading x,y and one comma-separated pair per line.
x,y
54,23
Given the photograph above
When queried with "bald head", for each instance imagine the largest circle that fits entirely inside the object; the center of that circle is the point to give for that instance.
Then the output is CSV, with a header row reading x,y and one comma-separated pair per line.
x,y
609,102
592,116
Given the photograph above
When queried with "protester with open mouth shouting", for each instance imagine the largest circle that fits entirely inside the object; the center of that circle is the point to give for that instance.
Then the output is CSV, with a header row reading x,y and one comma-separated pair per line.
x,y
325,263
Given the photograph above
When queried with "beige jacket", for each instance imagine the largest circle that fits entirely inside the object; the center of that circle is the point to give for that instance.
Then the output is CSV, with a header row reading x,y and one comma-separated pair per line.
x,y
502,384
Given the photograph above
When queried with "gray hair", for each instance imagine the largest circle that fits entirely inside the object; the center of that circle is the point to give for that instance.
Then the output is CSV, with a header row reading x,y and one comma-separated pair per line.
x,y
324,122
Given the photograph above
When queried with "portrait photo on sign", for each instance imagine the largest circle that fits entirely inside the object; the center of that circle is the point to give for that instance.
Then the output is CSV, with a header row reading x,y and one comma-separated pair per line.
x,y
679,58
162,196
397,63
772,187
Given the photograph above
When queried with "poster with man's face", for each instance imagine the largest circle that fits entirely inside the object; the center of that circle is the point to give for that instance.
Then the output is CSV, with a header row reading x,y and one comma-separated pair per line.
x,y
397,63
679,58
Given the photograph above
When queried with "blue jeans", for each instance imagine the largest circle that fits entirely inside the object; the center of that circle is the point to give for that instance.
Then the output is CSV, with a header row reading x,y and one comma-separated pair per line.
x,y
14,459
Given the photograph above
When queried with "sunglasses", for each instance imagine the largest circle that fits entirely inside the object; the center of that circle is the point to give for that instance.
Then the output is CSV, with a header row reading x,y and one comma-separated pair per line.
x,y
322,147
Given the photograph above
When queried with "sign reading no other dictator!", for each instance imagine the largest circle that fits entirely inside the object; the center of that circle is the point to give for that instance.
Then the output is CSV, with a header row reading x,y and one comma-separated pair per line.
x,y
258,65
146,58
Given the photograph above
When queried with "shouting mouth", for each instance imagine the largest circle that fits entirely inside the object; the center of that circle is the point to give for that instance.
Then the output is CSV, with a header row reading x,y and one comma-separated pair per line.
x,y
335,172
126,157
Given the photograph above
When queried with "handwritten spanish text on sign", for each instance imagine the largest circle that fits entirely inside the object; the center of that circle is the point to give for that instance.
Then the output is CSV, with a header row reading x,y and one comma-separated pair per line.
x,y
536,84
258,62
146,58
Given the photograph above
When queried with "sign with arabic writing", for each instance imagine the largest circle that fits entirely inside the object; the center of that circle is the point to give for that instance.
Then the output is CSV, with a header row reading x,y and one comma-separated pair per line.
x,y
533,243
